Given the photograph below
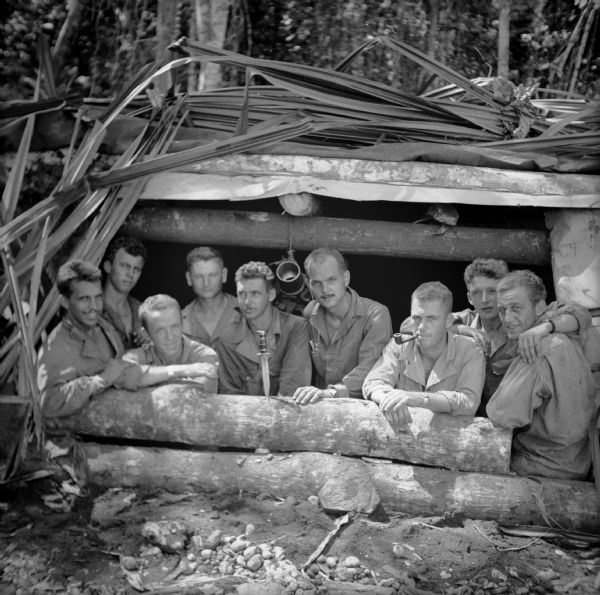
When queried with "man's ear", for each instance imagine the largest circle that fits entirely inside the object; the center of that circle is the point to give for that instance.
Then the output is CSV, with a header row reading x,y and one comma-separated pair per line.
x,y
188,278
540,307
469,298
106,266
272,294
224,275
64,301
449,320
346,278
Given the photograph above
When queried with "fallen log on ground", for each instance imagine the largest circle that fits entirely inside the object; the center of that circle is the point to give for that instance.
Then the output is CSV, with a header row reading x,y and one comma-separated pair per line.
x,y
193,225
409,489
180,413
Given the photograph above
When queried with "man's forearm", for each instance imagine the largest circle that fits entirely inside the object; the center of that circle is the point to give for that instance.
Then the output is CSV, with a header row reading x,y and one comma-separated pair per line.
x,y
69,397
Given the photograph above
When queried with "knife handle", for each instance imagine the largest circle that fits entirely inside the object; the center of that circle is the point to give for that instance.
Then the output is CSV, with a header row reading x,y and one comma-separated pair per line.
x,y
262,341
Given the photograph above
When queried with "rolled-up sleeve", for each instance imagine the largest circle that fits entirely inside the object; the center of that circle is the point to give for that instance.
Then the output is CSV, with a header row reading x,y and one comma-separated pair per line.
x,y
464,399
63,392
383,376
378,332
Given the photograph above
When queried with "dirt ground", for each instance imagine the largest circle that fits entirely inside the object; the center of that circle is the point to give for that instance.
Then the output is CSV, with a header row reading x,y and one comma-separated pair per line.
x,y
98,548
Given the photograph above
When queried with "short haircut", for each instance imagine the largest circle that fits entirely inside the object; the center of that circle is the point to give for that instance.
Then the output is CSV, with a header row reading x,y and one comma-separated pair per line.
x,y
320,254
433,291
485,267
157,303
256,270
130,244
203,253
527,279
76,270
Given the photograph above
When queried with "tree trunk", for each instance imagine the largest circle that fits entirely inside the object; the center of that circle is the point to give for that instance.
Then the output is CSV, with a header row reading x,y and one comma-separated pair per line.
x,y
503,37
377,238
166,16
179,413
211,25
67,33
403,488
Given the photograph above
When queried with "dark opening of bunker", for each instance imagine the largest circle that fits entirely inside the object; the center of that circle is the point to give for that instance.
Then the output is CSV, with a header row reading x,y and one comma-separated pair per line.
x,y
388,280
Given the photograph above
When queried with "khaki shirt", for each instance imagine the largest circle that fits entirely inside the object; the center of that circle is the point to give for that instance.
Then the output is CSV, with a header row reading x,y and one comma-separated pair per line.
x,y
289,359
354,348
195,329
504,350
458,373
192,353
112,316
549,403
70,362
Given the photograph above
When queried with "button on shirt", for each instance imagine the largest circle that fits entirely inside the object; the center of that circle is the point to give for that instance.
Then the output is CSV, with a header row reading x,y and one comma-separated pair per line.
x,y
192,353
70,362
195,329
458,373
289,359
354,348
549,403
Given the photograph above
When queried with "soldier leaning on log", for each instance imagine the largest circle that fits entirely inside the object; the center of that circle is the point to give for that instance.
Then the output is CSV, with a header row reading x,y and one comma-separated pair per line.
x,y
438,370
170,354
286,339
483,323
81,357
123,263
347,331
548,399
210,313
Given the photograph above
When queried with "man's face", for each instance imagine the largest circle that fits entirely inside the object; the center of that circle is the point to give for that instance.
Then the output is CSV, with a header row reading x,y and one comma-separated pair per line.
x,y
253,297
517,312
483,296
430,320
164,328
327,282
206,278
124,271
84,305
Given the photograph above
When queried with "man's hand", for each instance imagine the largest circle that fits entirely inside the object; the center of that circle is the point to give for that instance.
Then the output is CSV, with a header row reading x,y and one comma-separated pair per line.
x,y
530,341
481,338
311,394
113,371
141,337
394,406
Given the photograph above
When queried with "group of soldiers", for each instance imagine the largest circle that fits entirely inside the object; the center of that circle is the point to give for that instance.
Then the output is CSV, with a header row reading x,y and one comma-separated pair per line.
x,y
510,357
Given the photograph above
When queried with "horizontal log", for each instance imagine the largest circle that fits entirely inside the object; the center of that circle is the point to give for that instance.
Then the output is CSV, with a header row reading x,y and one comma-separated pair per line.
x,y
378,238
180,413
404,488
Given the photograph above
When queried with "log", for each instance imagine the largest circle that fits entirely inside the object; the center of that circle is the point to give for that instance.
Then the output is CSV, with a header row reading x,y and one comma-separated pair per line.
x,y
180,413
403,488
193,225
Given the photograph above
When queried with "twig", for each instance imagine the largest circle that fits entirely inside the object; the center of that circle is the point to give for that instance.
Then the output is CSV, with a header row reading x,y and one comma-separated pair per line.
x,y
509,549
339,523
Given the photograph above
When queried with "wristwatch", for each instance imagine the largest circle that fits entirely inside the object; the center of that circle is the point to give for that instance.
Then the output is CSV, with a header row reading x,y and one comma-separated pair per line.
x,y
552,325
170,372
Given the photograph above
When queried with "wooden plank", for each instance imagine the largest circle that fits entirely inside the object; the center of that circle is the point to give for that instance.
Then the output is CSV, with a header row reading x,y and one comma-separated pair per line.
x,y
404,488
379,238
548,187
180,413
236,186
